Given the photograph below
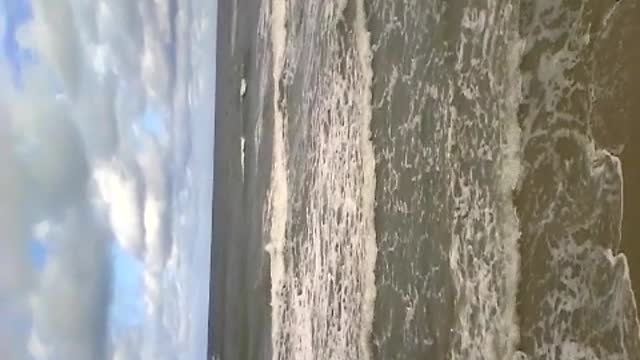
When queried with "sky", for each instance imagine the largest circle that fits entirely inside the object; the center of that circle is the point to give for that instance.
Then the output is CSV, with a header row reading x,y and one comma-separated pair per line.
x,y
106,141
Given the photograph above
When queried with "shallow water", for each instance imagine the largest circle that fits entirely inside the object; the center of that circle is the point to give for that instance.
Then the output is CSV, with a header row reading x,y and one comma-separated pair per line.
x,y
423,179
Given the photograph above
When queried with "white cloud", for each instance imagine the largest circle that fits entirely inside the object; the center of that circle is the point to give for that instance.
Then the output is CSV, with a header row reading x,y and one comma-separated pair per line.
x,y
53,32
70,306
16,273
50,148
121,191
128,348
15,270
47,179
154,172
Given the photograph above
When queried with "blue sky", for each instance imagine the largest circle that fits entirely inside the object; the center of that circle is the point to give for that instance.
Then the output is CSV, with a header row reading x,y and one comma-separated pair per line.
x,y
18,12
127,307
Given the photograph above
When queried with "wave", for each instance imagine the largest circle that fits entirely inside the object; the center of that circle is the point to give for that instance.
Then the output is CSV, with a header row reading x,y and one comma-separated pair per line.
x,y
322,200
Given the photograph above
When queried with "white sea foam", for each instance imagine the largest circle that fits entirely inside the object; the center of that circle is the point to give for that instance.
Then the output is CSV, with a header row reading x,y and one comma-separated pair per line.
x,y
278,193
363,44
510,171
484,255
243,87
322,242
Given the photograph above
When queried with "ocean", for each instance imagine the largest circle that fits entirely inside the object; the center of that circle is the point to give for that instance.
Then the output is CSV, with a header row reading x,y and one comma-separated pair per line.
x,y
426,179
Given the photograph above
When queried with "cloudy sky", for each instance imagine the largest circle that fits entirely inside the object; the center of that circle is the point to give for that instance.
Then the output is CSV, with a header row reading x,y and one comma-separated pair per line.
x,y
106,143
